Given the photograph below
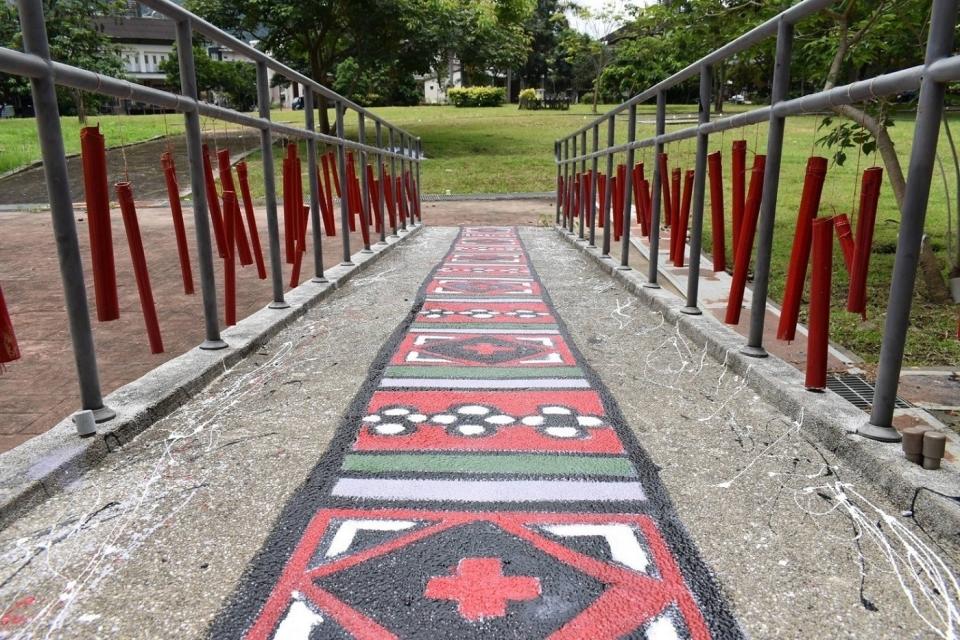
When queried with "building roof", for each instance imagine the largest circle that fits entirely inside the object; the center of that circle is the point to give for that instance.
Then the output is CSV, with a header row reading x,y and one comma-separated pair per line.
x,y
137,29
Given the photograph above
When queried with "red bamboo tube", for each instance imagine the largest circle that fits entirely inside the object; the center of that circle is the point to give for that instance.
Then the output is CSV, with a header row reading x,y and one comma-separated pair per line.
x,y
717,225
351,200
364,222
326,211
334,170
676,178
401,203
327,187
300,249
845,236
374,191
226,183
637,199
647,205
230,263
821,272
9,349
590,206
251,219
176,212
601,198
288,244
745,249
665,187
800,254
584,197
559,197
388,197
684,221
617,196
96,192
739,178
622,202
866,221
139,260
213,202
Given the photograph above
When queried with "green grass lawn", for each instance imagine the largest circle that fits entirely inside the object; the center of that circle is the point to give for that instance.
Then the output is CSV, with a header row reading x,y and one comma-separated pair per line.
x,y
486,150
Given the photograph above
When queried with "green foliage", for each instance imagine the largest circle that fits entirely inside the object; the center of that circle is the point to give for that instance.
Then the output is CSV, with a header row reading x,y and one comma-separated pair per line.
x,y
528,99
375,86
234,80
476,96
850,135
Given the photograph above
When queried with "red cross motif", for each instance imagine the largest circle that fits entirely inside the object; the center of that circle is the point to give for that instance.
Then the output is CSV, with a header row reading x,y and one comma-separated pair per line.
x,y
480,588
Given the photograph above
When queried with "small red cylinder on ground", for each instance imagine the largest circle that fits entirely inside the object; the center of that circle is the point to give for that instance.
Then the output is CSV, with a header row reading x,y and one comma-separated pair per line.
x,y
800,254
821,272
866,221
139,260
845,236
684,220
251,219
745,247
739,179
180,232
717,224
96,192
230,263
9,350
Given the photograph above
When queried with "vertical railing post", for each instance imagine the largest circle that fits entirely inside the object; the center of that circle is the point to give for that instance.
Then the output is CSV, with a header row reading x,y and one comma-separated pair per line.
x,y
556,157
628,188
608,191
417,195
771,183
393,178
269,180
593,189
655,193
399,195
567,178
940,42
364,186
381,195
50,138
583,173
573,174
344,186
317,234
699,187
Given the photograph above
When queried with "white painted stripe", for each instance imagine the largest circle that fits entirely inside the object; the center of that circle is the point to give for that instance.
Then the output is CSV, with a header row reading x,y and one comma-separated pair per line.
x,y
299,622
453,298
450,383
343,538
662,629
426,329
621,539
458,278
489,490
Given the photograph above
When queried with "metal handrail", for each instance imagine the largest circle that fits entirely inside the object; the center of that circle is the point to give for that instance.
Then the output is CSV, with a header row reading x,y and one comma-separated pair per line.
x,y
940,67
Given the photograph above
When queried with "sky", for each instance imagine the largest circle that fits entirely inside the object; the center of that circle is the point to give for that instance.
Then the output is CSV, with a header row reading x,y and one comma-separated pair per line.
x,y
599,5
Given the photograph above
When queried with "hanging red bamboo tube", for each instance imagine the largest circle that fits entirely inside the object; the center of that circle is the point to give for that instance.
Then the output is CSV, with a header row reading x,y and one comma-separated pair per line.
x,y
559,198
681,246
301,245
622,202
617,196
326,212
637,200
665,187
822,270
335,171
747,233
584,197
845,236
230,263
139,260
800,254
866,221
575,210
715,172
328,190
388,198
601,198
401,203
9,349
351,201
590,209
213,202
94,156
226,183
647,206
676,177
364,222
739,177
287,196
251,219
180,232
374,193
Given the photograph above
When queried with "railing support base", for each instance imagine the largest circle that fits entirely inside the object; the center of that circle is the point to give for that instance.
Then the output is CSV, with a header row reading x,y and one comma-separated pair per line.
x,y
881,434
624,267
278,305
691,311
319,280
346,264
103,414
651,285
754,352
210,345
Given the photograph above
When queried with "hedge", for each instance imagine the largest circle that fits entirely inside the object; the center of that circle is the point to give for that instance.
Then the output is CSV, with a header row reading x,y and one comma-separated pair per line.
x,y
476,96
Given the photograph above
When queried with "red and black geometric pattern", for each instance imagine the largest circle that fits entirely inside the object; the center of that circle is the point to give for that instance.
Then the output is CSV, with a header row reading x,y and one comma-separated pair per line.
x,y
482,485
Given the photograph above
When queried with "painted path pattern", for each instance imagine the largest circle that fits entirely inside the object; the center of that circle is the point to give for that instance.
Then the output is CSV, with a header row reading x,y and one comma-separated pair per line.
x,y
483,485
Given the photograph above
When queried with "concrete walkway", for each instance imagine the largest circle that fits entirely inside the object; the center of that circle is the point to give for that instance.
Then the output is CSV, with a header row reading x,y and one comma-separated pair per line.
x,y
189,530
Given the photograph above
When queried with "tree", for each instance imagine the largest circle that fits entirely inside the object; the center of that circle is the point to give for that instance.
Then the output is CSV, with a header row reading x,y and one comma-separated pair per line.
x,y
546,27
74,39
234,79
590,48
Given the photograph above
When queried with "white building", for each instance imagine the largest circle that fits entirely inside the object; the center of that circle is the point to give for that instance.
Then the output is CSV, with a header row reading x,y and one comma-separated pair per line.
x,y
435,88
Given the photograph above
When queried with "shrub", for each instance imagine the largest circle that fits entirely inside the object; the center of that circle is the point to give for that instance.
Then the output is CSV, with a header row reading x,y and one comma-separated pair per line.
x,y
476,96
528,99
587,98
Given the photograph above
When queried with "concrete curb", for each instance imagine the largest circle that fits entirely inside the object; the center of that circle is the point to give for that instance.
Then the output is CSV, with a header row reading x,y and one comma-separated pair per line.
x,y
43,465
826,417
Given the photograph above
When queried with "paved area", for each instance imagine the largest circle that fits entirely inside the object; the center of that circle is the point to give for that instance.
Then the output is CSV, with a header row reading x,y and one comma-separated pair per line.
x,y
190,528
31,283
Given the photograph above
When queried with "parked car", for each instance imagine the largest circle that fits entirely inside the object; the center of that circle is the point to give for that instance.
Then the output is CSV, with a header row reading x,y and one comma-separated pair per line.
x,y
738,99
297,104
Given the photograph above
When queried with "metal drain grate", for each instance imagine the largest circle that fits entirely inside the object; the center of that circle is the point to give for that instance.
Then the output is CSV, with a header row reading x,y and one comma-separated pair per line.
x,y
855,389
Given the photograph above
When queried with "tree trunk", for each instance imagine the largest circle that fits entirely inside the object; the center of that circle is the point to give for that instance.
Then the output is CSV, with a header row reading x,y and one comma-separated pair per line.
x,y
81,108
720,94
596,91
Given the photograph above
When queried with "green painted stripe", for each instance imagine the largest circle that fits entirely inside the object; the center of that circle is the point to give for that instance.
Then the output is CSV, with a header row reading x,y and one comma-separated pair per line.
x,y
483,372
483,325
554,465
